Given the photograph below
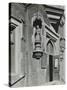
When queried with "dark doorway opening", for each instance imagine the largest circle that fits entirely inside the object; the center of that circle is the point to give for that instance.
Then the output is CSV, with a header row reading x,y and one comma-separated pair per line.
x,y
50,68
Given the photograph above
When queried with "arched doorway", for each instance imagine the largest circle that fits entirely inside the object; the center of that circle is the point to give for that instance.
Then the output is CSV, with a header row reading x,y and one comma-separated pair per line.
x,y
50,50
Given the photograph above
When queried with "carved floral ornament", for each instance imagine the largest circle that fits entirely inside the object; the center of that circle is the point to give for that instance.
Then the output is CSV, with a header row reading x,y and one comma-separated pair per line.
x,y
62,20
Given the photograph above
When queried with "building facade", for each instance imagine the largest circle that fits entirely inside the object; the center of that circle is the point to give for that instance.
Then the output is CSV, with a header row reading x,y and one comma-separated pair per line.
x,y
35,46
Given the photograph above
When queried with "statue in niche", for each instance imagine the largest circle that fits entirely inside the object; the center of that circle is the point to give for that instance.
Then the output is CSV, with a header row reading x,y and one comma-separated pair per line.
x,y
37,37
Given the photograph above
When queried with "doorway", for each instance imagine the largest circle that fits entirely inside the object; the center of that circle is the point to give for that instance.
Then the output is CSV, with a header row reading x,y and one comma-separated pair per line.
x,y
50,51
50,68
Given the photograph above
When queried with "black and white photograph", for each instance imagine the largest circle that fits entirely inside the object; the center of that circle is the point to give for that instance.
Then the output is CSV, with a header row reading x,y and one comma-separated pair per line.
x,y
36,44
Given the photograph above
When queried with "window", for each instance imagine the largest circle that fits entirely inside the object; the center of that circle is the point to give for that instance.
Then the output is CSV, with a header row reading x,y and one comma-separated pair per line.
x,y
50,47
16,54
